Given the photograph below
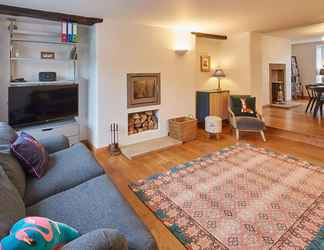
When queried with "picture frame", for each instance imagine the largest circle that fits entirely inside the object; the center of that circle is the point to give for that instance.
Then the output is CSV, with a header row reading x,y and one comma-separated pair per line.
x,y
143,89
205,63
47,55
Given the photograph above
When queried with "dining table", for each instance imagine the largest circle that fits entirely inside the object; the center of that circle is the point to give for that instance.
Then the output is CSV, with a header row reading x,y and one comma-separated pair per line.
x,y
319,89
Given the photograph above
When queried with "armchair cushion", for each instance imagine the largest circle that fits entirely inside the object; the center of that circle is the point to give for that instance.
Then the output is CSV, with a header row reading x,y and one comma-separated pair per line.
x,y
249,123
102,239
243,105
54,143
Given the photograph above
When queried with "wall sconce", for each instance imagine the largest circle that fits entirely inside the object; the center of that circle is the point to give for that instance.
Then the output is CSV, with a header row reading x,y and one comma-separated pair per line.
x,y
181,52
183,43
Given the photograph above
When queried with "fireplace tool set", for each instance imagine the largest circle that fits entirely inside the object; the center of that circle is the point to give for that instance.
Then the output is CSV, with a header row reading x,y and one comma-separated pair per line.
x,y
114,136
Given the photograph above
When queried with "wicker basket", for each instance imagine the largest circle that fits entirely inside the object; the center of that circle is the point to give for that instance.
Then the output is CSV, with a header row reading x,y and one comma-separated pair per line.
x,y
183,128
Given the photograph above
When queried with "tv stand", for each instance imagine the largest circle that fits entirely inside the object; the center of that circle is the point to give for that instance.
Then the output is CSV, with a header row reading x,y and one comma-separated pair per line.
x,y
69,128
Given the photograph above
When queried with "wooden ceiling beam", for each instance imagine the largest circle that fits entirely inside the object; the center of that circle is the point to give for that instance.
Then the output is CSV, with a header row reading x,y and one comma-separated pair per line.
x,y
46,15
210,36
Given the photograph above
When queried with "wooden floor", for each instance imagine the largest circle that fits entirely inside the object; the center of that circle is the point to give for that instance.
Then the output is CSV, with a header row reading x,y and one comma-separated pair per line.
x,y
124,171
294,120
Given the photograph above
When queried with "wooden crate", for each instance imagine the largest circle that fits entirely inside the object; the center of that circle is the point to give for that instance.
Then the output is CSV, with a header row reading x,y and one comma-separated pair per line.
x,y
183,128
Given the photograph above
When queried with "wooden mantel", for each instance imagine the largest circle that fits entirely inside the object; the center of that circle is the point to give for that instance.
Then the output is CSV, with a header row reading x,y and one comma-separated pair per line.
x,y
210,36
46,15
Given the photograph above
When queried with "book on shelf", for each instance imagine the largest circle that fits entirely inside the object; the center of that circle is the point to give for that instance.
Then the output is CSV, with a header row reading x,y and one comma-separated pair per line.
x,y
64,32
70,32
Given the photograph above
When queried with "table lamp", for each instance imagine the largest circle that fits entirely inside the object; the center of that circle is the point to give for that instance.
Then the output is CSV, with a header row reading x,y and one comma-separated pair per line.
x,y
219,74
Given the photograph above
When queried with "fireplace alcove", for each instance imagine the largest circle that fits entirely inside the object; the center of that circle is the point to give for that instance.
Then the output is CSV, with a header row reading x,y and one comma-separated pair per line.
x,y
277,81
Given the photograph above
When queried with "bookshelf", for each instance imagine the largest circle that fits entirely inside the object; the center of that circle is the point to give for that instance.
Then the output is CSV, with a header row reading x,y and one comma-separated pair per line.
x,y
25,58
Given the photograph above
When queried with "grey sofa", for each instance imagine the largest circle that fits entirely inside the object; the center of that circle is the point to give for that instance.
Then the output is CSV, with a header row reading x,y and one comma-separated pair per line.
x,y
74,191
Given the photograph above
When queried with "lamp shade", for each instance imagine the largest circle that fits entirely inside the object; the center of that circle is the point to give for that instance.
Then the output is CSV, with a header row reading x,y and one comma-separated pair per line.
x,y
322,72
219,73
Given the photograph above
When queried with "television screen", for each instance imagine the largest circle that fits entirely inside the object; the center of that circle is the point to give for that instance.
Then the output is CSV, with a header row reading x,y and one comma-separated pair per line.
x,y
42,103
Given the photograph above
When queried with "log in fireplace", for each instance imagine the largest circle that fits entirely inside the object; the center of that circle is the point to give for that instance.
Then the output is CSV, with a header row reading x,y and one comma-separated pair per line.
x,y
142,121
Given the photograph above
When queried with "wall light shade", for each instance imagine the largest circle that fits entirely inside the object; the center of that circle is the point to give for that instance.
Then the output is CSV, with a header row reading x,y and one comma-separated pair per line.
x,y
219,73
183,42
181,52
322,72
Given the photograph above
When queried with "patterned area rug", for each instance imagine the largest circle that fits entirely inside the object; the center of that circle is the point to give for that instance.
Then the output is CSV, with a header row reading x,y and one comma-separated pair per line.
x,y
241,197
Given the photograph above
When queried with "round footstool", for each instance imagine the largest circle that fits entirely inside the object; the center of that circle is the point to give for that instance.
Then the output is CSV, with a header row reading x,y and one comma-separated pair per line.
x,y
213,125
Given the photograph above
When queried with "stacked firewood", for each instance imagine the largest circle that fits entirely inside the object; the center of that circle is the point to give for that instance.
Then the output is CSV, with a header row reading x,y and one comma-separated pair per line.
x,y
142,121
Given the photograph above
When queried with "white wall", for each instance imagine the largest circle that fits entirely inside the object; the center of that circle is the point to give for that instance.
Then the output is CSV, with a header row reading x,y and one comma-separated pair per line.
x,y
233,56
306,59
245,58
129,48
275,50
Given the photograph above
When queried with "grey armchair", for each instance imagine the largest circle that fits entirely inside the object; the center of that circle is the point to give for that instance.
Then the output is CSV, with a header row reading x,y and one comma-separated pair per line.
x,y
248,119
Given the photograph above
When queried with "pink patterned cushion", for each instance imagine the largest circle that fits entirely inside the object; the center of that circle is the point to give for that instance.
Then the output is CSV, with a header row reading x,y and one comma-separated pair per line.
x,y
31,154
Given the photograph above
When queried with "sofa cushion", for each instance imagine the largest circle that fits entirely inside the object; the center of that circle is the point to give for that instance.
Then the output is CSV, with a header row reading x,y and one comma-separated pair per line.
x,y
101,239
243,105
13,170
93,205
37,233
249,123
7,135
12,207
67,168
31,154
54,143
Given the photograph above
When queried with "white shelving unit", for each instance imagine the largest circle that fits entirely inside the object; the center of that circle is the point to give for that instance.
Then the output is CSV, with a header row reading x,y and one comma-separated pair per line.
x,y
22,39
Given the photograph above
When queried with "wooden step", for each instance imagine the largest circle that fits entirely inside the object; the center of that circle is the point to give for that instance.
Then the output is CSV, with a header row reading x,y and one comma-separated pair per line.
x,y
317,140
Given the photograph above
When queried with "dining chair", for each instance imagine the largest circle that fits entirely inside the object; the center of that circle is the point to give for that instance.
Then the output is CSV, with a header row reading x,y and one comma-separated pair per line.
x,y
312,97
319,100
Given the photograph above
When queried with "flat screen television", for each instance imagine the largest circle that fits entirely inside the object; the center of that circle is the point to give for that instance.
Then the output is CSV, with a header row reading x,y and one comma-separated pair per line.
x,y
29,105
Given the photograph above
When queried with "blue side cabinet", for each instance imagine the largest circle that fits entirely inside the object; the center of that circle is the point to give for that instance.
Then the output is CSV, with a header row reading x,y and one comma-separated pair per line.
x,y
211,103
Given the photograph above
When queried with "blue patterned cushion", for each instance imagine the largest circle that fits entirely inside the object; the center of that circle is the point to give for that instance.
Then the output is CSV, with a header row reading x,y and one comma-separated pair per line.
x,y
31,154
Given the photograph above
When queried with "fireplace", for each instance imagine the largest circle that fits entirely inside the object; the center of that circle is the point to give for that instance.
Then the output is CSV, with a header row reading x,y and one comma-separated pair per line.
x,y
277,73
139,122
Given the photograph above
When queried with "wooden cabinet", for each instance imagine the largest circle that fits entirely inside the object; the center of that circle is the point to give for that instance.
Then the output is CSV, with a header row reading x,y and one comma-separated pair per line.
x,y
211,103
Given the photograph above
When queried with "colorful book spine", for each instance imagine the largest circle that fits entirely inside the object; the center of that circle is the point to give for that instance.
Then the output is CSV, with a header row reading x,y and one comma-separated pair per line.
x,y
75,38
70,32
64,37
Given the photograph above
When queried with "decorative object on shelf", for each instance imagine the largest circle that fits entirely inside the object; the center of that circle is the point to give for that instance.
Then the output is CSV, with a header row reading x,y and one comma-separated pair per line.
x,y
18,80
211,103
143,89
322,73
74,54
47,55
205,63
219,74
114,137
47,76
183,128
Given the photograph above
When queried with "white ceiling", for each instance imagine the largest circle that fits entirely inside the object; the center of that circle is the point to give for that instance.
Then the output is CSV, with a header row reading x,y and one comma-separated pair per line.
x,y
214,16
309,33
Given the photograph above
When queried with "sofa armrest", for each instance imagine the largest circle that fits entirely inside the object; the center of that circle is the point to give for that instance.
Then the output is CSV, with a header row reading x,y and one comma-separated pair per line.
x,y
102,239
54,143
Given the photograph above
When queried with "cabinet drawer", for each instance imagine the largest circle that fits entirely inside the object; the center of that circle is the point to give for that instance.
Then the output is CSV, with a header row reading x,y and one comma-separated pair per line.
x,y
74,140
